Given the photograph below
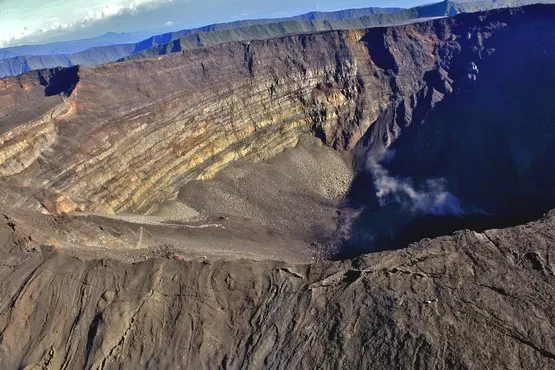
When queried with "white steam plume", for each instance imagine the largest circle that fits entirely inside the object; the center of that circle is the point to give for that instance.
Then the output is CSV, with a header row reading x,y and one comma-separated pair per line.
x,y
430,197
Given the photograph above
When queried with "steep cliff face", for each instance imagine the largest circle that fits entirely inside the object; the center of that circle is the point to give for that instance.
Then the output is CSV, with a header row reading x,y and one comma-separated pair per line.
x,y
145,128
128,135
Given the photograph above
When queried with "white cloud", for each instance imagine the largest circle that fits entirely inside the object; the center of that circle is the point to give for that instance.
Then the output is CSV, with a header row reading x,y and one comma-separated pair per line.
x,y
23,21
168,24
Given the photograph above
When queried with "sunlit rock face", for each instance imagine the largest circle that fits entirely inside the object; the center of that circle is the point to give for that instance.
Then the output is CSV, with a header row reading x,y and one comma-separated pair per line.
x,y
129,135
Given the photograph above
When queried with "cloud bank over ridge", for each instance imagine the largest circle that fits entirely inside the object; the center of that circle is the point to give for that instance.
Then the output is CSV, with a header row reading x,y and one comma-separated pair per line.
x,y
17,25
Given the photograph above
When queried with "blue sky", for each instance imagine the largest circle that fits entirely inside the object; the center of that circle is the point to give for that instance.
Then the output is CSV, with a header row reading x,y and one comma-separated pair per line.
x,y
40,21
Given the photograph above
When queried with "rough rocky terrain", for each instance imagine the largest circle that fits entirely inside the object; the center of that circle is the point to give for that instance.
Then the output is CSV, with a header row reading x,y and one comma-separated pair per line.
x,y
471,300
183,210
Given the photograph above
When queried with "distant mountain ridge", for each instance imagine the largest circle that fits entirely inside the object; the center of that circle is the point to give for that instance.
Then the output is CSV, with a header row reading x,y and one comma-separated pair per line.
x,y
311,16
236,31
74,46
149,38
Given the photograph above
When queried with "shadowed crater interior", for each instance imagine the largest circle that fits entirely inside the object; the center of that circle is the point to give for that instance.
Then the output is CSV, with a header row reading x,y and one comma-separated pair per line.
x,y
483,158
59,80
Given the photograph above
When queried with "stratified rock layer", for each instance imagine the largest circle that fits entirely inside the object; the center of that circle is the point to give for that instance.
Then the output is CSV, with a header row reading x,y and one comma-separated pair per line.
x,y
131,134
